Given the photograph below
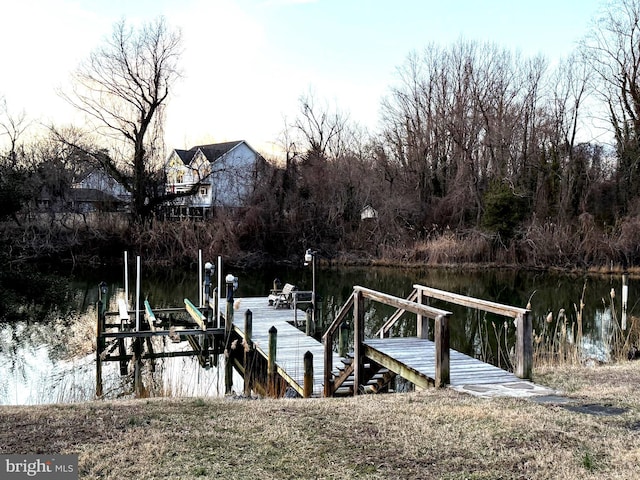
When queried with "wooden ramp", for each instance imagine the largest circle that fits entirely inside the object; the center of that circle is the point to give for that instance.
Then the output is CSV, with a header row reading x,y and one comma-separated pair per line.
x,y
414,359
292,343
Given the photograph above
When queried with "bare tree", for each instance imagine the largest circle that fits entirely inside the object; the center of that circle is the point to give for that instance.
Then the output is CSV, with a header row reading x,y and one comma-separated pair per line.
x,y
12,126
611,50
323,133
123,88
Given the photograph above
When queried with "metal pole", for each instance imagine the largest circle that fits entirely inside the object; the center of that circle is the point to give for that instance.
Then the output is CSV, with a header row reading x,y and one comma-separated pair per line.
x,y
201,296
313,289
126,277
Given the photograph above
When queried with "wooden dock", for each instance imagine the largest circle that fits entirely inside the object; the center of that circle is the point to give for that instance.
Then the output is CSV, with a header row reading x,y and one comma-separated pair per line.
x,y
292,343
418,360
280,358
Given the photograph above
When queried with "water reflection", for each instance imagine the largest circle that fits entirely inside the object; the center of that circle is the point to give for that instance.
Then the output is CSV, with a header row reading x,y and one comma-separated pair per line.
x,y
54,361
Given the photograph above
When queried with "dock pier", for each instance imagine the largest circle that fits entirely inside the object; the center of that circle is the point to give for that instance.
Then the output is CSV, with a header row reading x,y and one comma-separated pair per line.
x,y
260,338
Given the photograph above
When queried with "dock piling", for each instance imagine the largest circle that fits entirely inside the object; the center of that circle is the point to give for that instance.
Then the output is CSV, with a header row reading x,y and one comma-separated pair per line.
x,y
308,375
271,361
442,351
248,352
343,339
228,327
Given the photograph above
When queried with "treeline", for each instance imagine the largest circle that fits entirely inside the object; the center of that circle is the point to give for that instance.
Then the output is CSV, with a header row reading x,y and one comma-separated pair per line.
x,y
482,155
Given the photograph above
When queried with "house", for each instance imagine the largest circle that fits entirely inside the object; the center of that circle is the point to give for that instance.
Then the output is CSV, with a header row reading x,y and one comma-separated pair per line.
x,y
97,190
219,175
94,190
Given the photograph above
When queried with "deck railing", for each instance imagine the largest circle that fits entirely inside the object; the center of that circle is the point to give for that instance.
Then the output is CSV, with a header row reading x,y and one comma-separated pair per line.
x,y
524,330
356,302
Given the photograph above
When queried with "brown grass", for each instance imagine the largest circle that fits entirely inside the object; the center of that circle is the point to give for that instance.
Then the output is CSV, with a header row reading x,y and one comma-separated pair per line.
x,y
430,434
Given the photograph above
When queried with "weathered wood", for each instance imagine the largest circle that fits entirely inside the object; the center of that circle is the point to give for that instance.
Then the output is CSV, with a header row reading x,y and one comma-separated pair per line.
x,y
151,317
399,367
100,345
401,303
125,357
484,305
308,327
402,356
248,352
138,387
271,360
524,334
328,389
358,339
393,319
195,314
442,351
524,345
422,322
173,331
343,339
327,340
308,374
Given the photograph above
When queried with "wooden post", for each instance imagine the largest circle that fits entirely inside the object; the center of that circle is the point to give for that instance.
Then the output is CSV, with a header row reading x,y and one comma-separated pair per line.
x,y
248,352
228,326
137,368
309,320
625,298
343,339
99,348
218,297
442,350
524,346
307,388
318,323
328,366
271,361
358,339
422,321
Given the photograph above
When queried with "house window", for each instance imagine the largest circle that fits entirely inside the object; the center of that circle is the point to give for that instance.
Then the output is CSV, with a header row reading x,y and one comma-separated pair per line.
x,y
179,177
203,191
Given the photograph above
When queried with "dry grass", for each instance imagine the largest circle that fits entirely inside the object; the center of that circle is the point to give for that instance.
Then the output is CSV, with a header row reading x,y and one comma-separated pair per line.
x,y
430,434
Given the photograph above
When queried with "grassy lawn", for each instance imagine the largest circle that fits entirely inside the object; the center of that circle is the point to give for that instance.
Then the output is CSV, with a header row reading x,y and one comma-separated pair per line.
x,y
428,434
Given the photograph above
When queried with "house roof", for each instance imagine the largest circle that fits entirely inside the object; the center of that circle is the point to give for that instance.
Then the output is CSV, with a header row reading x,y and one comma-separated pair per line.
x,y
211,152
92,195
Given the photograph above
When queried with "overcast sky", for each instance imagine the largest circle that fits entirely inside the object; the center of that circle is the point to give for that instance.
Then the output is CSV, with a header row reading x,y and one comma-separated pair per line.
x,y
247,62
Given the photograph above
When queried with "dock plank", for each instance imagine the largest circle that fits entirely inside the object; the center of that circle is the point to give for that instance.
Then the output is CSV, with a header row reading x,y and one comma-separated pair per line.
x,y
419,354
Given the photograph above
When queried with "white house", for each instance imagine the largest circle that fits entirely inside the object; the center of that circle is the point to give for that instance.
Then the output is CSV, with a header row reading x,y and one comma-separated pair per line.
x,y
222,174
101,181
96,190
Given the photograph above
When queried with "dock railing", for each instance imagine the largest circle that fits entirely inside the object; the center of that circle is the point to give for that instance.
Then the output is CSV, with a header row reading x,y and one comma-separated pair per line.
x,y
522,316
356,302
524,330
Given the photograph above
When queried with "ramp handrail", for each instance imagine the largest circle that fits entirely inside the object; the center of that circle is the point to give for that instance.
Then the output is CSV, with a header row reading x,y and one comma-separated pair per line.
x,y
356,301
524,328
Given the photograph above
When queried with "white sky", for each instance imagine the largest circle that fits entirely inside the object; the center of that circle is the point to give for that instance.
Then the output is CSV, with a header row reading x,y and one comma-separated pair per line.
x,y
246,62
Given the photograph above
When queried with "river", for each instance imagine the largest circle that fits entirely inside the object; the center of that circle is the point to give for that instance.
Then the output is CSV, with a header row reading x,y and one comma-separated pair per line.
x,y
54,360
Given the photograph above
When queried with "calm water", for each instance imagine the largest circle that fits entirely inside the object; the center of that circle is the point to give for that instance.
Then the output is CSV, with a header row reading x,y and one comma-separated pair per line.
x,y
55,361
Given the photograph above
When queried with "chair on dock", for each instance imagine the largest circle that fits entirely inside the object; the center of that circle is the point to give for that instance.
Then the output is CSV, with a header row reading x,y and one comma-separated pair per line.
x,y
282,298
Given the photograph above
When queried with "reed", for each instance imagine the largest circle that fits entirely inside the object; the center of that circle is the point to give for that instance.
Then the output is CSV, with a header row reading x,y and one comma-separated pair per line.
x,y
560,340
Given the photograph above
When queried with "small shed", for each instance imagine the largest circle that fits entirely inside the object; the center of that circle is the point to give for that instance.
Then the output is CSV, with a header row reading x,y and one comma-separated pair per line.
x,y
368,212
